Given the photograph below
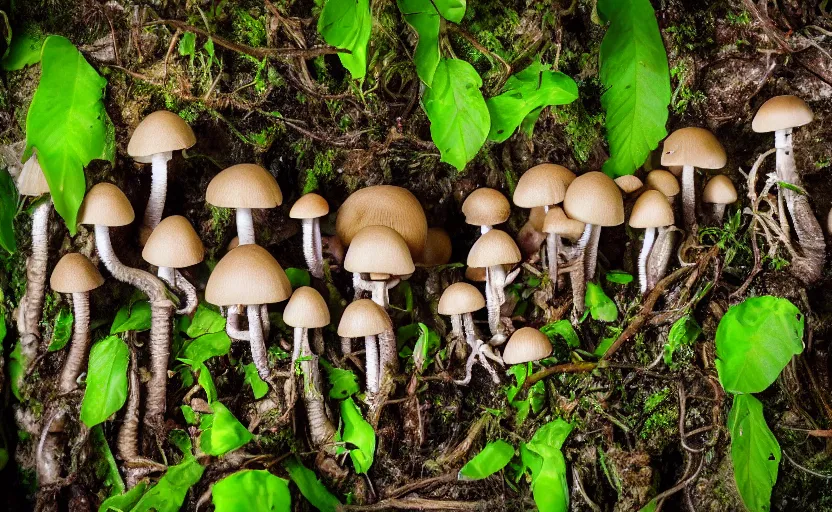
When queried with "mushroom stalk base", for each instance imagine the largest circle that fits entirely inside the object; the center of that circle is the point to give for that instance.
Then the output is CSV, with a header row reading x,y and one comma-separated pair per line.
x,y
495,278
719,213
321,429
660,254
688,199
245,226
312,251
257,342
158,189
77,355
578,276
649,238
31,306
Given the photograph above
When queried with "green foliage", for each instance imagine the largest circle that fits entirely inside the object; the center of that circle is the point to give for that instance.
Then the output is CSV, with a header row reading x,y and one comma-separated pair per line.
x,y
600,306
347,24
223,433
207,346
23,51
619,277
187,45
755,340
425,18
491,459
358,436
107,468
132,317
311,488
342,383
683,332
61,330
169,492
755,452
124,502
8,211
535,397
251,489
106,381
564,329
426,346
67,124
542,456
258,385
16,375
205,321
298,277
635,73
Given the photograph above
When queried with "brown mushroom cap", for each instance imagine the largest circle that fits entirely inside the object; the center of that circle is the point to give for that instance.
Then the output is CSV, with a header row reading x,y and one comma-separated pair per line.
x,y
31,181
526,344
173,244
106,205
384,205
306,308
720,190
493,248
486,207
248,274
559,224
537,217
244,186
594,198
75,273
460,298
780,113
437,248
542,185
693,146
159,132
233,243
363,317
663,181
652,210
477,274
628,183
309,206
381,250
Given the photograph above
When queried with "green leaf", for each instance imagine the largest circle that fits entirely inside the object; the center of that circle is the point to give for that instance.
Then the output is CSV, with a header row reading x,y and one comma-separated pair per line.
x,y
684,332
135,317
24,51
298,277
755,453
451,10
187,45
359,434
635,74
311,488
107,468
347,24
619,277
459,118
424,18
650,507
180,439
169,492
8,211
602,347
527,91
16,365
755,340
66,124
124,502
543,456
251,489
208,346
203,379
491,459
61,330
342,383
225,434
258,385
189,414
205,321
600,306
106,381
564,329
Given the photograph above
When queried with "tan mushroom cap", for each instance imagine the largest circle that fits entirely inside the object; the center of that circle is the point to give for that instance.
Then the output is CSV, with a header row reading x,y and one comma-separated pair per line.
x,y
244,186
160,132
477,274
486,207
652,210
693,146
493,248
233,243
379,250
248,274
594,198
537,217
363,317
106,205
173,244
628,183
780,113
526,344
306,308
384,205
309,206
460,298
720,190
663,181
559,224
31,181
437,248
75,273
543,185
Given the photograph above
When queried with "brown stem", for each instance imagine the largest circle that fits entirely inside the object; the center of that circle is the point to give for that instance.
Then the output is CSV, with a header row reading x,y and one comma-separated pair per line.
x,y
160,328
77,355
581,367
31,306
128,435
321,429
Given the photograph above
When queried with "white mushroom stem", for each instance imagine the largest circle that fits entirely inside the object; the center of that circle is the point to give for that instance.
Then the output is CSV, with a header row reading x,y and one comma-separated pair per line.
x,y
245,226
232,325
649,238
380,295
257,342
479,352
592,251
191,299
552,243
371,358
719,212
484,229
321,429
688,199
31,306
659,258
388,355
77,355
299,336
578,276
494,298
312,249
158,189
456,326
168,275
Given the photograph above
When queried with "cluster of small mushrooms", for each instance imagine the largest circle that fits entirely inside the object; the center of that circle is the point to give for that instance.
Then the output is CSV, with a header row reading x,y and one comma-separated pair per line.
x,y
385,233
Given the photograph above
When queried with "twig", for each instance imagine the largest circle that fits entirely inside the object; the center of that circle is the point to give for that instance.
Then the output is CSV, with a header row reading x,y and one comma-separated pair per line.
x,y
581,367
421,484
418,504
681,485
805,469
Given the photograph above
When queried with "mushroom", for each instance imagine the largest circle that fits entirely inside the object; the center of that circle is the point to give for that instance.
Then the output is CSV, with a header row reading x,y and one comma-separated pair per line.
x,y
491,251
437,250
306,310
692,147
719,191
557,225
665,182
155,139
244,186
365,318
486,207
310,208
629,183
595,199
106,206
651,211
459,301
251,276
173,245
531,235
525,345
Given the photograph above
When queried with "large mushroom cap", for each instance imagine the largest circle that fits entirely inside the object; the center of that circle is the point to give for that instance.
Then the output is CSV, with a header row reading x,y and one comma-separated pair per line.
x,y
628,183
543,185
306,308
173,244
781,113
493,248
244,186
526,344
460,298
486,207
160,132
31,181
720,190
594,198
363,317
693,146
559,224
379,250
309,206
248,274
75,273
652,210
437,248
384,205
106,205
663,181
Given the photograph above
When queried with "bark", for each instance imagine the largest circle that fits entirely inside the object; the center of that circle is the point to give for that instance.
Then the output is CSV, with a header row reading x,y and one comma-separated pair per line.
x,y
31,305
77,355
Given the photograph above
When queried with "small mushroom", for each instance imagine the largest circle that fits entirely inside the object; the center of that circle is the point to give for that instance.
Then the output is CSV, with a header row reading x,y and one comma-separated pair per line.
x,y
243,187
364,318
651,211
437,250
629,183
719,191
525,345
491,251
558,225
665,182
309,209
486,207
173,245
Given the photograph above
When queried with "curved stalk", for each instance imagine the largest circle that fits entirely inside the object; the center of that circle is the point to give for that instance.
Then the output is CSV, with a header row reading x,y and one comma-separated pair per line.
x,y
191,299
77,355
128,435
371,358
688,199
158,189
245,226
312,251
649,238
552,243
232,325
257,342
346,345
31,306
321,429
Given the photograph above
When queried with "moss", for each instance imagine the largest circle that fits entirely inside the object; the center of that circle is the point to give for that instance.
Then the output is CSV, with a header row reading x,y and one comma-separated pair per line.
x,y
739,19
683,96
322,169
583,129
663,417
249,29
220,220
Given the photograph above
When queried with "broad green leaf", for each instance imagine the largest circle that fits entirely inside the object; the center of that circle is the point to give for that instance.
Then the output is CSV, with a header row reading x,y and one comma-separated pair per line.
x,y
537,396
5,34
342,383
251,489
298,277
358,435
602,347
24,51
451,10
599,305
755,453
106,380
205,321
180,439
564,329
527,91
135,317
66,124
16,365
309,485
619,277
107,468
169,492
635,74
650,507
548,467
491,459
8,211
187,45
203,379
225,434
684,332
459,118
258,385
207,346
61,330
424,18
347,24
189,414
755,340
124,502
